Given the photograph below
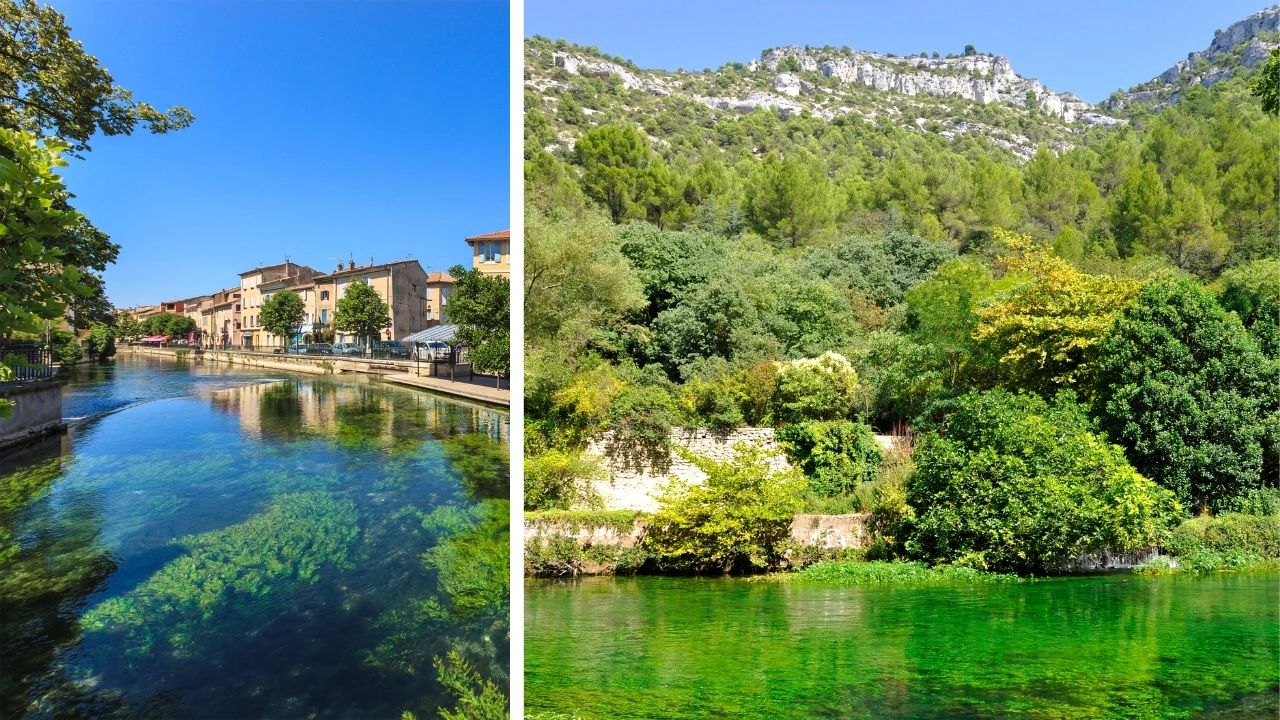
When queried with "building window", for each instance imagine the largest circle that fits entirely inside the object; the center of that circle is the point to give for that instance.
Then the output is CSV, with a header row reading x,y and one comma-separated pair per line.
x,y
324,294
489,252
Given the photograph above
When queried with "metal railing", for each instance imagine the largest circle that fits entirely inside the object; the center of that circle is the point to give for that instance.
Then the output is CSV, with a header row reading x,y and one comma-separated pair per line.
x,y
28,360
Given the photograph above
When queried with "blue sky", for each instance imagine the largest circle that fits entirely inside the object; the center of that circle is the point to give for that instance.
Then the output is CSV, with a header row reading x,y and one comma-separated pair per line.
x,y
1087,47
323,130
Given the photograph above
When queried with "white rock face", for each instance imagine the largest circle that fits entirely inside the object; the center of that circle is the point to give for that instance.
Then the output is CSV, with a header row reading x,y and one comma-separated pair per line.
x,y
577,65
787,84
980,78
1257,50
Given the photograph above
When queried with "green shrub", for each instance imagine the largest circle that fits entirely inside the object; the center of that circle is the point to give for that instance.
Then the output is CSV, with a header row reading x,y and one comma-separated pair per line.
x,y
907,573
836,455
620,521
821,388
1260,501
739,519
1183,386
1010,482
1255,534
891,515
561,479
102,341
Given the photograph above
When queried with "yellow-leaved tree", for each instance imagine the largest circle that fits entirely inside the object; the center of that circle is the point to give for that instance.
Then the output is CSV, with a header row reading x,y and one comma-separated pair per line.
x,y
1045,329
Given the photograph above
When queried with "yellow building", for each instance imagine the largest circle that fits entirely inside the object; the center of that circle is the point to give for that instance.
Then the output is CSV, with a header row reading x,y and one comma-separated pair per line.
x,y
491,253
253,294
220,319
439,284
402,285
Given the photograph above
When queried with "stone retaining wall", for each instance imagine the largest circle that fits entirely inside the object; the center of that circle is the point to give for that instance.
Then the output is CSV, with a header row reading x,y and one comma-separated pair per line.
x,y
37,411
627,488
820,532
311,364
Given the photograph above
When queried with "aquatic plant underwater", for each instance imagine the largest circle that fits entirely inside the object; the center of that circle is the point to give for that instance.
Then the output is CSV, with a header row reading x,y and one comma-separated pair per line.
x,y
260,546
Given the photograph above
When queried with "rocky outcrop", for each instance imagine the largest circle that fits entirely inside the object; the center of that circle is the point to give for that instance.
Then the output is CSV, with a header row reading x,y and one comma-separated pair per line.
x,y
1213,64
978,78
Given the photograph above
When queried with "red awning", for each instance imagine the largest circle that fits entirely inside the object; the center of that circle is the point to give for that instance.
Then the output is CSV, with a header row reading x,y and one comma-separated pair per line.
x,y
156,338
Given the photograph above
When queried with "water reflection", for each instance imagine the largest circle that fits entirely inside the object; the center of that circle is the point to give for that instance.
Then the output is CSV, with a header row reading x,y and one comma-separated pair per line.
x,y
220,543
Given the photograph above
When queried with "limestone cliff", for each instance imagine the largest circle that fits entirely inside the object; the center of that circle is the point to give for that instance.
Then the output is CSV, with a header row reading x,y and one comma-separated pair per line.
x,y
1244,44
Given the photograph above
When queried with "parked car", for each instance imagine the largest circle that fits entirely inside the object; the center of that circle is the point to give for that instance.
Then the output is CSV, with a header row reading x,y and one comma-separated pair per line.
x,y
432,351
393,349
319,349
347,348
294,349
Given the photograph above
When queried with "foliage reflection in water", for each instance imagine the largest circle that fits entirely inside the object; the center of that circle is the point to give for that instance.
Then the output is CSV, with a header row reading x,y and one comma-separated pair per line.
x,y
1085,647
215,542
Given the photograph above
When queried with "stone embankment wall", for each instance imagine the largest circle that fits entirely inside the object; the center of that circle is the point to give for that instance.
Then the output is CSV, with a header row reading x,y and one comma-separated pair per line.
x,y
629,488
601,544
312,364
37,411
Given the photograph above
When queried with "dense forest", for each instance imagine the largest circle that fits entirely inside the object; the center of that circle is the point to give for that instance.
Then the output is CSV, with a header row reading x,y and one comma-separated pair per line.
x,y
1105,314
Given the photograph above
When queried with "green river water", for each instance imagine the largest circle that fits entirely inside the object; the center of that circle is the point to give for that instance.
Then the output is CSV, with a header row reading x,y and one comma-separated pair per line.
x,y
209,541
1118,646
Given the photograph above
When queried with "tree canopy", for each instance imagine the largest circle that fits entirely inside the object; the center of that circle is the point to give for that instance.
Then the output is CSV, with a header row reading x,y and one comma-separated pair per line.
x,y
480,305
361,311
283,314
49,84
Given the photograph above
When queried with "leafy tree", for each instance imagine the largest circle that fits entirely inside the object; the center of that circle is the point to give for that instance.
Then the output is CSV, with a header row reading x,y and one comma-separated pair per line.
x,y
821,388
481,307
1190,238
127,326
575,276
614,159
1252,291
282,315
561,480
1138,204
1046,329
171,324
739,519
361,311
1011,482
836,455
36,281
102,341
1266,86
790,201
50,86
1185,389
970,50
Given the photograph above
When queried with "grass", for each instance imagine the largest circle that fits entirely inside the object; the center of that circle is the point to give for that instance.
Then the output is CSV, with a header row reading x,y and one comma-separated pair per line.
x,y
622,521
853,573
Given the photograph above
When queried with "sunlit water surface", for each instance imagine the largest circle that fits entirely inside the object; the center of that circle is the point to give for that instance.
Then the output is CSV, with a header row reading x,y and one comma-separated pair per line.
x,y
216,542
1121,646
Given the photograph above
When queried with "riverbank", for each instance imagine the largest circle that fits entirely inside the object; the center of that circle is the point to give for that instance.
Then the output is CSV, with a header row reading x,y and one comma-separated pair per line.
x,y
396,371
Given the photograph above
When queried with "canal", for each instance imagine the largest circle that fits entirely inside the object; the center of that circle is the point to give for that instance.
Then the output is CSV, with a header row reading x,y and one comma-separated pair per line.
x,y
1120,646
211,541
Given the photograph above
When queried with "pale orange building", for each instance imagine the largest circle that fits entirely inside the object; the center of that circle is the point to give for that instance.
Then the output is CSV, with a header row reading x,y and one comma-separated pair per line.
x,y
491,253
402,285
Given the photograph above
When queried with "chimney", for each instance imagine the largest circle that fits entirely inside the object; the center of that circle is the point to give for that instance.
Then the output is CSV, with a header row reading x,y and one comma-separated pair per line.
x,y
351,264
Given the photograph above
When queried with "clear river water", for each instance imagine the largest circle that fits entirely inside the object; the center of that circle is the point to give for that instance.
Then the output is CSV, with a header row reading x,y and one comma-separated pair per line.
x,y
208,541
1118,646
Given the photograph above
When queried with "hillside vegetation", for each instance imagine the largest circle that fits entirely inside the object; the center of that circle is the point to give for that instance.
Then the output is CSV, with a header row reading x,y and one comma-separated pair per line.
x,y
1112,297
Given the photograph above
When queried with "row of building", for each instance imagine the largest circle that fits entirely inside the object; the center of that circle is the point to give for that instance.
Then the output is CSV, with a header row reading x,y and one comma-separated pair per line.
x,y
416,299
